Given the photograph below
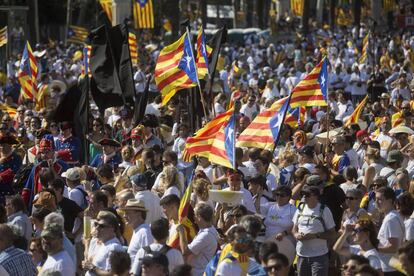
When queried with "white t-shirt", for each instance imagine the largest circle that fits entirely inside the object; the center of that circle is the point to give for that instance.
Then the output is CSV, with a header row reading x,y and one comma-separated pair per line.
x,y
279,219
141,237
409,229
385,142
152,204
61,262
100,253
249,111
203,247
174,256
372,255
392,227
76,195
307,222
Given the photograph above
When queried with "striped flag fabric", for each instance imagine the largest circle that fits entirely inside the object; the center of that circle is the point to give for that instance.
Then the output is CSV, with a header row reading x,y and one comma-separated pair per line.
x,y
10,110
202,55
169,77
3,36
86,56
41,96
389,5
27,74
143,14
200,143
77,34
183,212
313,89
353,119
133,48
259,133
107,8
364,53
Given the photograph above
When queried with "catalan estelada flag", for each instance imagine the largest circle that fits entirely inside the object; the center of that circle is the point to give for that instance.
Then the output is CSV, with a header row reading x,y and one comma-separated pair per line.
x,y
175,69
86,56
27,74
133,49
263,130
202,55
183,212
223,149
364,52
200,143
353,119
296,7
42,91
143,14
3,36
77,34
313,89
107,7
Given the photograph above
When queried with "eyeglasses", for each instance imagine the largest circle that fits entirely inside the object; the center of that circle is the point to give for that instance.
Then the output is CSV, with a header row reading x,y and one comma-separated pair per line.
x,y
273,268
351,198
348,267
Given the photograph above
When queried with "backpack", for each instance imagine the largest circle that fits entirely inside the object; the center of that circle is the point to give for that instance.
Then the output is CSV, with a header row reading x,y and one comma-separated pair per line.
x,y
85,198
164,249
20,178
301,207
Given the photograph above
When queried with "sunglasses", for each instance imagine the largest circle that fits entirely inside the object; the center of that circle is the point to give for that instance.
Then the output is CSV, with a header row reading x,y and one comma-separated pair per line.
x,y
351,198
281,195
101,225
348,267
359,230
273,268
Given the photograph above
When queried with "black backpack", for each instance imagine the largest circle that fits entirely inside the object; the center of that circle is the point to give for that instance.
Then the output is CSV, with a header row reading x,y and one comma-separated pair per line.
x,y
20,178
164,249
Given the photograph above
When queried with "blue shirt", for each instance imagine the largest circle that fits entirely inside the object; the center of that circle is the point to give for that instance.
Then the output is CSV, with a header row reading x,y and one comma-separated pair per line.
x,y
17,262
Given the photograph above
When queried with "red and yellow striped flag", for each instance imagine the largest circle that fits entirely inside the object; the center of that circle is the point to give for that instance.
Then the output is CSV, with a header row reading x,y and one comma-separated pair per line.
x,y
27,74
133,49
200,143
313,89
143,14
107,7
11,110
77,34
43,89
353,119
3,36
389,5
183,212
202,55
259,134
168,77
364,52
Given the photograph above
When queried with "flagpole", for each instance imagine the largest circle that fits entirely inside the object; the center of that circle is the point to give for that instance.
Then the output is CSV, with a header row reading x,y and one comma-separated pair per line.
x,y
281,126
196,71
327,113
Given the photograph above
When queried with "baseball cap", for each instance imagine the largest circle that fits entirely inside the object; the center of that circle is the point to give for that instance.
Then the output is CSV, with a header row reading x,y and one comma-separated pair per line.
x,y
53,230
72,174
140,180
314,180
395,156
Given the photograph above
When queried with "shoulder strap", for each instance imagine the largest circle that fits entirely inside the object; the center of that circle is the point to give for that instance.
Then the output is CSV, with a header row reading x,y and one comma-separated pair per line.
x,y
389,174
322,208
164,249
147,250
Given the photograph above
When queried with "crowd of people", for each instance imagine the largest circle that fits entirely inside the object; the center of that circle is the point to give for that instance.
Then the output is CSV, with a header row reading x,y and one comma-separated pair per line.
x,y
317,205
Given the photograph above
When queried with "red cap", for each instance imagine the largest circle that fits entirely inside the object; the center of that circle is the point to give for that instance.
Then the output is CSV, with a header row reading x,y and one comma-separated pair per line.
x,y
361,133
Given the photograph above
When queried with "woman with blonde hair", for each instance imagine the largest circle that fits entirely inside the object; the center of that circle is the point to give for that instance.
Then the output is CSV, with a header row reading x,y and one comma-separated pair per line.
x,y
372,157
220,103
287,161
201,186
169,182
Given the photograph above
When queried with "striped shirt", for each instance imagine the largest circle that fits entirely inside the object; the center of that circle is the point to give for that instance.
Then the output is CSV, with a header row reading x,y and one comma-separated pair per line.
x,y
17,262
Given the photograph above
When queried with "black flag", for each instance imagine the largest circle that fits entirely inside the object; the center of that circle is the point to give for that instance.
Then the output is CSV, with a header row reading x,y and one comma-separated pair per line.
x,y
216,41
112,81
141,101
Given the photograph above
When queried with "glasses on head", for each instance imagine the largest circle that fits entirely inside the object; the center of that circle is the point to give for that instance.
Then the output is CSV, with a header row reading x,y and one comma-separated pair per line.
x,y
351,198
273,268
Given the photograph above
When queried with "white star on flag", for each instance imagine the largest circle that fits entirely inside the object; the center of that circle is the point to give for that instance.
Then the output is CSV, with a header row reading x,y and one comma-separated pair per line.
x,y
188,59
322,80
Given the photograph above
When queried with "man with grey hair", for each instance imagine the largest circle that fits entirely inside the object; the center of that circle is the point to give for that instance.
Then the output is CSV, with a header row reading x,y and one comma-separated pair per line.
x,y
57,218
58,259
15,261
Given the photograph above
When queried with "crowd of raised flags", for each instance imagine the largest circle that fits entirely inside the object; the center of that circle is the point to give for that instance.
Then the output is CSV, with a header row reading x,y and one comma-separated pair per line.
x,y
263,186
